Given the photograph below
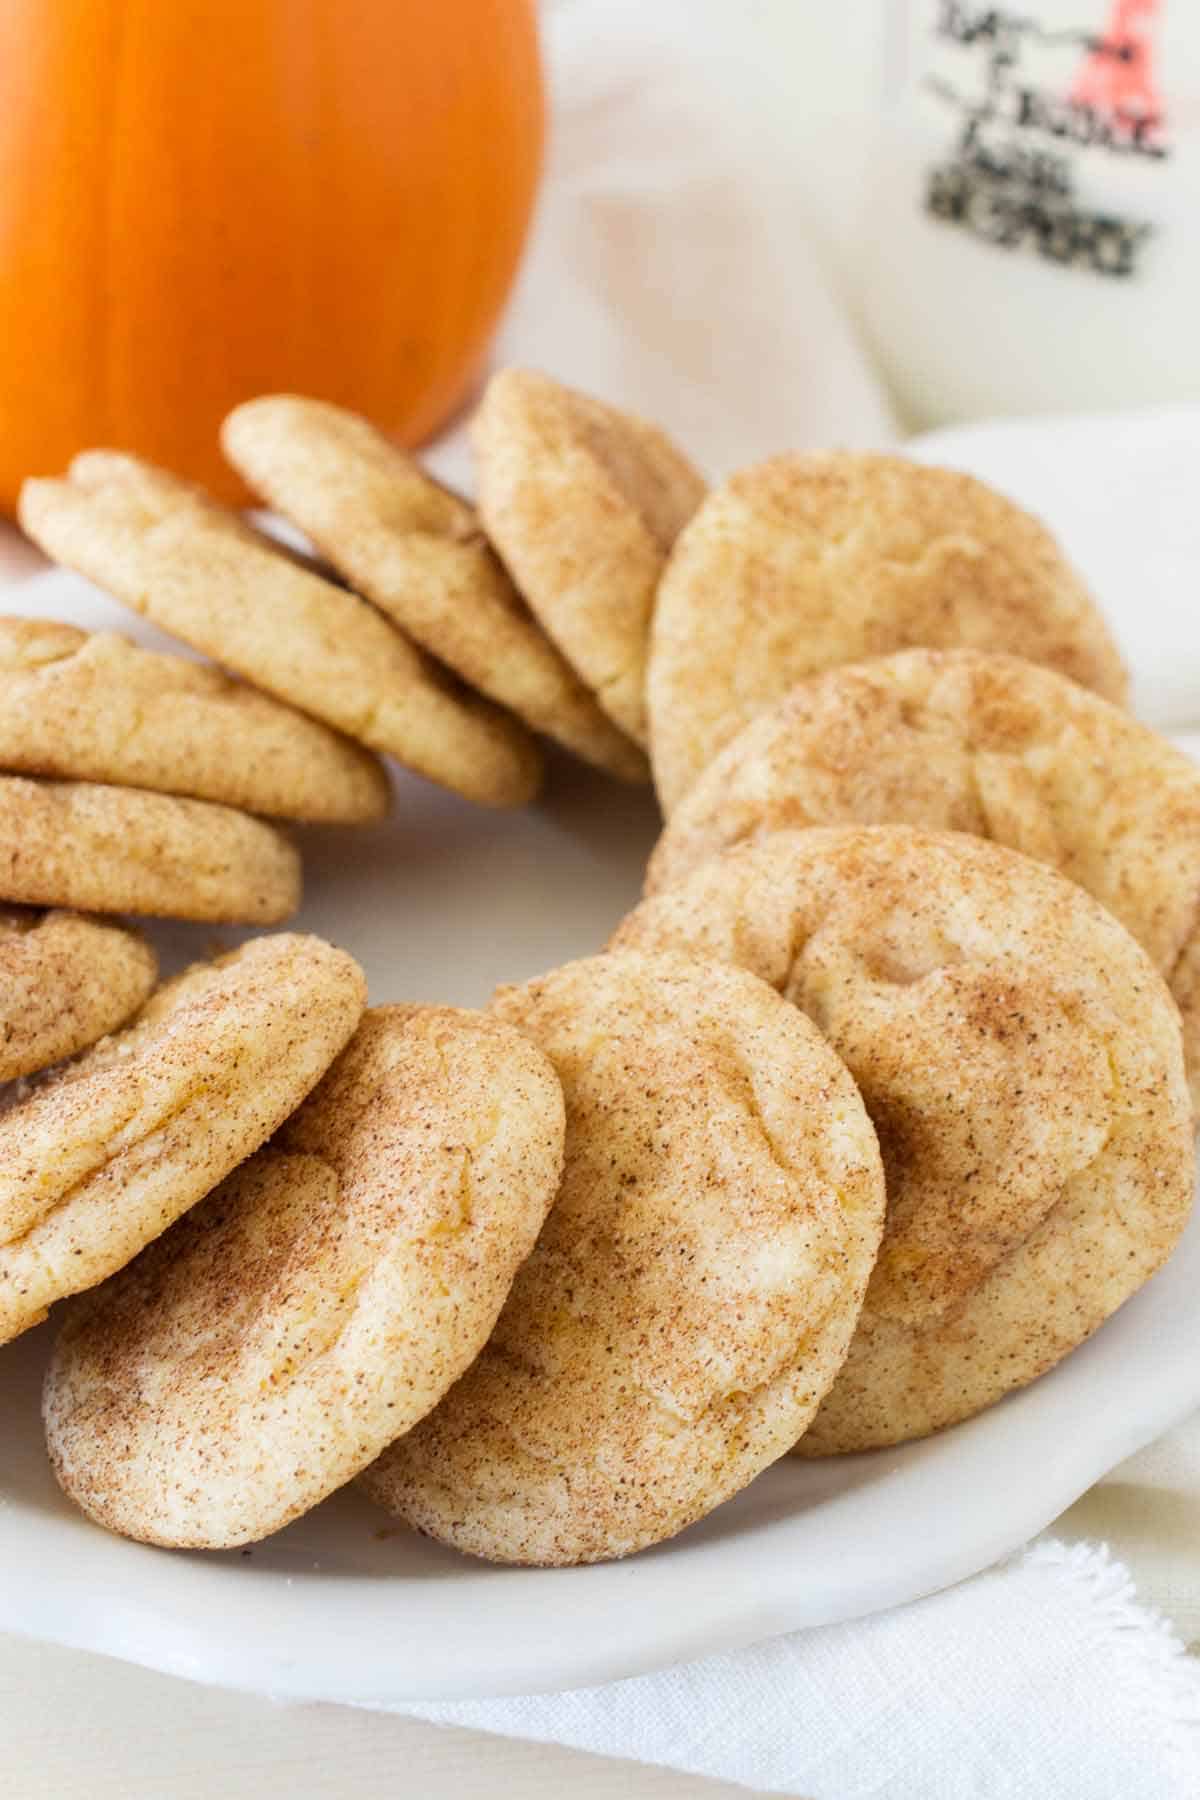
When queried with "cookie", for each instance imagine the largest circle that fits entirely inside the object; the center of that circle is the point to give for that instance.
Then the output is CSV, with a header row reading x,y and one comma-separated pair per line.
x,y
101,1158
693,1291
94,707
417,552
805,562
112,849
961,740
1021,1059
165,549
583,502
64,982
323,1299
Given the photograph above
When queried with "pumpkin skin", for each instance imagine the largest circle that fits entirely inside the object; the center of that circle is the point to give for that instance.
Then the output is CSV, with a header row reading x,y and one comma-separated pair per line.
x,y
202,200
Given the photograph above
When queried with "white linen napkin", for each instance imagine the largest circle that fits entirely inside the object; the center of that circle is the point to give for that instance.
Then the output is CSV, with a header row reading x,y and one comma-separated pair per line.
x,y
1043,1679
670,271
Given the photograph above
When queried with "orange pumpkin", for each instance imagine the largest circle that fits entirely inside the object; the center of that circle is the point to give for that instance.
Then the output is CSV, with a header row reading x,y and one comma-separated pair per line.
x,y
202,200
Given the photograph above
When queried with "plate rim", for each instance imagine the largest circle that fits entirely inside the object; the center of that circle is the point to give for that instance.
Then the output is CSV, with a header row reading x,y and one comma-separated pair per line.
x,y
157,1637
1143,1363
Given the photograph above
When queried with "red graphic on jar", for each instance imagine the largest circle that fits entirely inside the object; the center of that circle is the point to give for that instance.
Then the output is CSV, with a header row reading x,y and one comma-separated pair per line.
x,y
1020,171
1117,78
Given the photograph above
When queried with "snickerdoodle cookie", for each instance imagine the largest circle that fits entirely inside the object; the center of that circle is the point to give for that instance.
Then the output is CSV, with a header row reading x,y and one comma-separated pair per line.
x,y
1022,1061
804,562
694,1289
102,1157
91,706
962,740
167,550
115,849
323,1299
417,551
64,982
583,502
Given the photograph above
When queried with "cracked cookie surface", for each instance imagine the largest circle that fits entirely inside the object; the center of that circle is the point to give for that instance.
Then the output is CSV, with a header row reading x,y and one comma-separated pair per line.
x,y
91,706
583,502
1022,1061
100,1158
165,549
65,981
961,740
117,849
801,563
323,1298
695,1286
418,552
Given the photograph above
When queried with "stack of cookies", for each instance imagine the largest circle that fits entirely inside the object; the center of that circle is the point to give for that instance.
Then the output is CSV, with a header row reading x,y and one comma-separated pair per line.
x,y
874,1109
403,635
406,632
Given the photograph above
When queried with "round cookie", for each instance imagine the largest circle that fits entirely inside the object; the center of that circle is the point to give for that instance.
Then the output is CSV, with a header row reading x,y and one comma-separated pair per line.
x,y
1021,1059
112,849
167,550
961,740
804,562
94,707
583,502
323,1299
64,982
693,1291
101,1158
417,552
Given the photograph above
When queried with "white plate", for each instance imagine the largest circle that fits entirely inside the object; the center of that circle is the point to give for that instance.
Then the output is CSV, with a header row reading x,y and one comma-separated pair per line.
x,y
441,904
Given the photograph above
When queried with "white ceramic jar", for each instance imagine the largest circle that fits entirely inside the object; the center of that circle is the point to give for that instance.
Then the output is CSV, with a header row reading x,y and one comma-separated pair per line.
x,y
1032,232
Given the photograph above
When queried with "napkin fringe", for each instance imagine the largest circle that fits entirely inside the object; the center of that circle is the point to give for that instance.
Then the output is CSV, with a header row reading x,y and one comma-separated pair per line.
x,y
1162,1675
